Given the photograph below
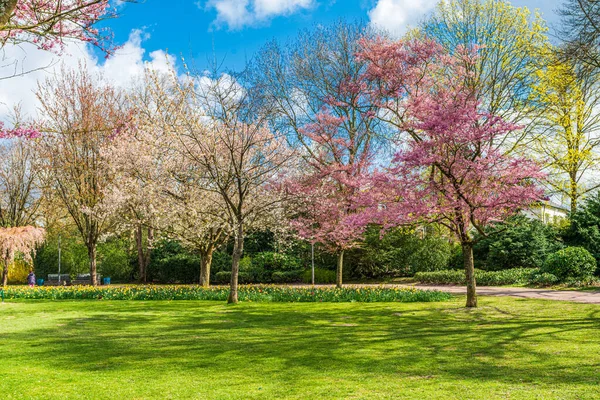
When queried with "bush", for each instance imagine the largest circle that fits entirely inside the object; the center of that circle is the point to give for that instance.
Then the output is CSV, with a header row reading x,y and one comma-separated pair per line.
x,y
400,252
170,262
287,276
571,263
245,293
542,279
264,265
321,276
513,276
224,277
522,243
584,229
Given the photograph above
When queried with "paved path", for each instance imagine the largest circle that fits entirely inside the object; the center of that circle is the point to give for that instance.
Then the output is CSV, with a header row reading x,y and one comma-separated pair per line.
x,y
578,296
592,297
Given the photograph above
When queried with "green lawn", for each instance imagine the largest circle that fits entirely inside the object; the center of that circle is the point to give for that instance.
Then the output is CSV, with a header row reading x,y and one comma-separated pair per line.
x,y
506,349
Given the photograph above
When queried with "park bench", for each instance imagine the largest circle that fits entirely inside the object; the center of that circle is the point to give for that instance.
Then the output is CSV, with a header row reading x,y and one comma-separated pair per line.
x,y
84,279
65,279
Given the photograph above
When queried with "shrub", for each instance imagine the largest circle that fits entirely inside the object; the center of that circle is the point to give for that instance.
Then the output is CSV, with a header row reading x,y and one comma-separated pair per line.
x,y
287,276
584,229
522,243
170,262
225,277
265,264
513,276
571,263
400,252
542,279
321,276
257,293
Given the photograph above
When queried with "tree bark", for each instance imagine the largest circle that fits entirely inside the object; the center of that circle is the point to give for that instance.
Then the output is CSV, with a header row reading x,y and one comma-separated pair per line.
x,y
92,258
238,249
340,265
5,273
467,249
205,263
140,250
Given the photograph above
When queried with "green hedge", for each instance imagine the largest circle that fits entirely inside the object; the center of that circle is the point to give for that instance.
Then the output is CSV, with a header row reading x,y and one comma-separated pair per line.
x,y
571,263
246,293
321,276
512,276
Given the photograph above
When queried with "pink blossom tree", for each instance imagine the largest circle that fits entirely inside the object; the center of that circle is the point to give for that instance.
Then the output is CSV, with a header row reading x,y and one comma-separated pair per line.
x,y
18,240
337,158
450,167
48,24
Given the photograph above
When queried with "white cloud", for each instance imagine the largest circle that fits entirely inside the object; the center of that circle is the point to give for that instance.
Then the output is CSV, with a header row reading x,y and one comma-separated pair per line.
x,y
125,66
396,16
237,14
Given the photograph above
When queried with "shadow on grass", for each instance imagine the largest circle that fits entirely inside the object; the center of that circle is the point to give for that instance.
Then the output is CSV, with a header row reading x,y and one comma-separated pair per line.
x,y
508,344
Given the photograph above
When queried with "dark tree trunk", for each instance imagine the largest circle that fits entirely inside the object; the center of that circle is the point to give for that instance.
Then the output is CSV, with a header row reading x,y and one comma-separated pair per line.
x,y
5,273
340,266
140,250
467,249
143,252
205,263
92,258
238,249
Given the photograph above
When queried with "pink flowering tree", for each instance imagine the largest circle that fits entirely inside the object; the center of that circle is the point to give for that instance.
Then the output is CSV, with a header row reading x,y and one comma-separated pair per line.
x,y
50,23
450,167
337,158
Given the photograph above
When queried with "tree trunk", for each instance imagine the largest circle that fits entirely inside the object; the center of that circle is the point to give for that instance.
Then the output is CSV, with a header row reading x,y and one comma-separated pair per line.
x,y
340,265
467,249
205,263
238,249
140,250
5,273
92,258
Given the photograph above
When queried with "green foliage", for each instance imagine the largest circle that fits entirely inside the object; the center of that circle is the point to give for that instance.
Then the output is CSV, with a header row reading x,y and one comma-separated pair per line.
x,y
322,276
400,252
114,260
571,263
224,277
258,293
584,229
74,257
520,243
287,276
172,263
513,276
543,279
264,266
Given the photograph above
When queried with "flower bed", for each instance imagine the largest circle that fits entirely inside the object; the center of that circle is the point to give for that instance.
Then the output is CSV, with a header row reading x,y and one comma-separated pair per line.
x,y
268,293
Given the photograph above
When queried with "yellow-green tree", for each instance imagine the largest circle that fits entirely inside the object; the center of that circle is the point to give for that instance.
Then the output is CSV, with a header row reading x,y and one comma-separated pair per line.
x,y
508,39
568,136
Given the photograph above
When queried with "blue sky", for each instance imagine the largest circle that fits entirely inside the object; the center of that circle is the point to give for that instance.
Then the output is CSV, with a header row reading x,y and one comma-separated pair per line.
x,y
235,29
194,28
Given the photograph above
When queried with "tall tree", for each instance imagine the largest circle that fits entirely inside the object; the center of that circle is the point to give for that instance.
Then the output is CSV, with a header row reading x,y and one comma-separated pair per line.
x,y
315,87
568,137
79,116
49,24
18,240
507,38
581,31
451,167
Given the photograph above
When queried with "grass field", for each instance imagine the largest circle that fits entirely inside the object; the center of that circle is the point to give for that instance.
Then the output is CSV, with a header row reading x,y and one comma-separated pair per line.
x,y
506,349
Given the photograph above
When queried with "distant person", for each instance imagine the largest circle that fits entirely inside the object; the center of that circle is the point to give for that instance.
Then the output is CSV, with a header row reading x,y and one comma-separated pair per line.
x,y
31,278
